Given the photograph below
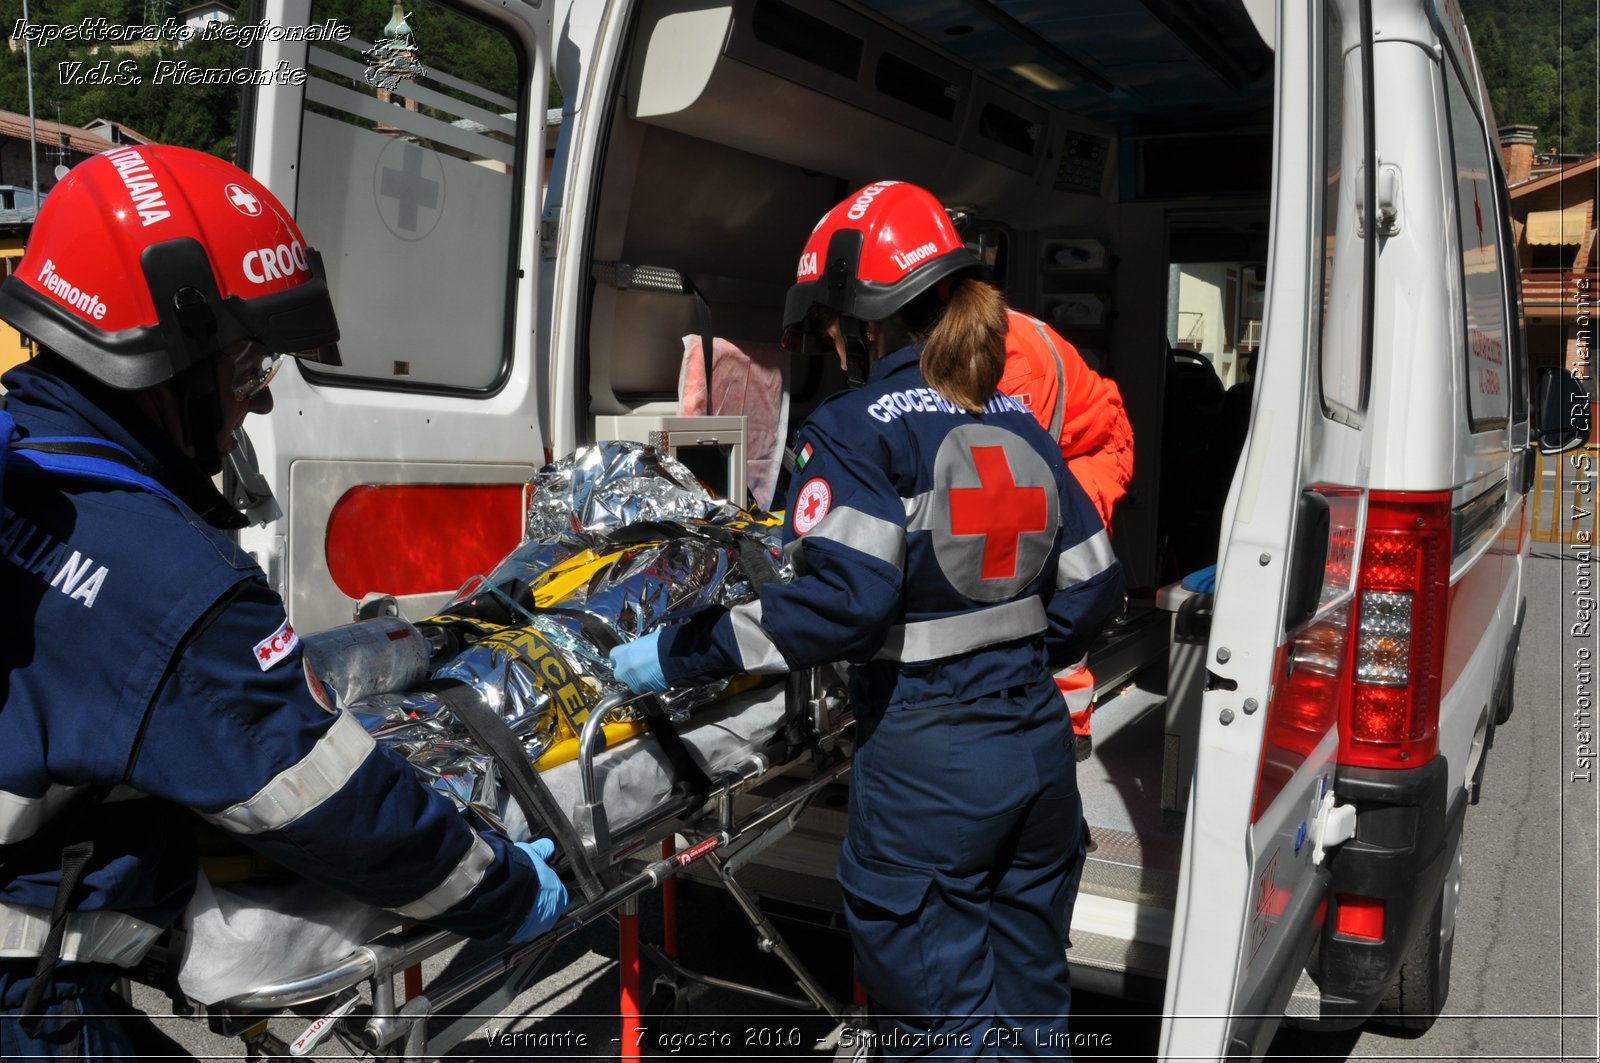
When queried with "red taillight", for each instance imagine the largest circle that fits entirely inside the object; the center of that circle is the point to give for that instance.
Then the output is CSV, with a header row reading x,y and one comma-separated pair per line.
x,y
1359,917
420,538
1389,714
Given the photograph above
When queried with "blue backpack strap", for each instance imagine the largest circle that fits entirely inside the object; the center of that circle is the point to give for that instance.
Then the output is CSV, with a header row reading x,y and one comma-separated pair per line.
x,y
81,458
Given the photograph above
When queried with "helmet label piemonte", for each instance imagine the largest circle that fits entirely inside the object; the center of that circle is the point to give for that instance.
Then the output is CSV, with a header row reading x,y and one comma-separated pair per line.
x,y
146,194
86,303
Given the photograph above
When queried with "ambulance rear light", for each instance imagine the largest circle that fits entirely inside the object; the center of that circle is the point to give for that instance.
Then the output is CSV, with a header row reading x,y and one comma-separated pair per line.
x,y
1359,917
1390,711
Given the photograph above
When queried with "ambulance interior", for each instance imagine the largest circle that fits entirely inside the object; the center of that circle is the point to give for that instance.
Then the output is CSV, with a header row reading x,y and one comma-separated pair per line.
x,y
1112,161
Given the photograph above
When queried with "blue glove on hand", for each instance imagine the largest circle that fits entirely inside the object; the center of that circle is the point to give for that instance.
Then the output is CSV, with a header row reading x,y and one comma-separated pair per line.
x,y
638,663
552,899
1202,582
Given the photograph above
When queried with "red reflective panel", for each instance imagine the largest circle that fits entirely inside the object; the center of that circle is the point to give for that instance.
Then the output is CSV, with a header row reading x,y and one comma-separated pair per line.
x,y
1359,917
420,538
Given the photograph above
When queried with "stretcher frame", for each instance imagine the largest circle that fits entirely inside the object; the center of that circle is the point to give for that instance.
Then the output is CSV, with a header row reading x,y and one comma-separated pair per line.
x,y
394,1027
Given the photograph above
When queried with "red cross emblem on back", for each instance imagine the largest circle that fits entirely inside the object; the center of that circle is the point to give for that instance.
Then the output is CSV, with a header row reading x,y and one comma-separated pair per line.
x,y
998,510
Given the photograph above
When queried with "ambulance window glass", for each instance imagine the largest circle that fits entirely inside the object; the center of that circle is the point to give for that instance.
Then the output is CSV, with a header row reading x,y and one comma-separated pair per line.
x,y
1344,351
1483,284
412,145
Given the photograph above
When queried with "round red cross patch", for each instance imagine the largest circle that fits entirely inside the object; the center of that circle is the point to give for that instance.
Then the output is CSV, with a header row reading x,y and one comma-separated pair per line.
x,y
812,504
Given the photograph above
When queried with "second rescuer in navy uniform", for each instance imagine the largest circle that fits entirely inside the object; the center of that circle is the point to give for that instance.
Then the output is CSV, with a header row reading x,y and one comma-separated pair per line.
x,y
941,547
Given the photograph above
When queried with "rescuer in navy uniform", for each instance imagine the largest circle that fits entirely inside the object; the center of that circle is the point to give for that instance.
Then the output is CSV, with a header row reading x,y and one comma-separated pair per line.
x,y
942,548
149,673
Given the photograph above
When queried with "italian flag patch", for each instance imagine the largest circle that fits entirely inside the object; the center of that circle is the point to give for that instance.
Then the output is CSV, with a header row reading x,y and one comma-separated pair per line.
x,y
804,456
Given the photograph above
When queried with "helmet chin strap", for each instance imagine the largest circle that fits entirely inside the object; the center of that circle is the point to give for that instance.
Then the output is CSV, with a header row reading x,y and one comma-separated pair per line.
x,y
195,386
857,360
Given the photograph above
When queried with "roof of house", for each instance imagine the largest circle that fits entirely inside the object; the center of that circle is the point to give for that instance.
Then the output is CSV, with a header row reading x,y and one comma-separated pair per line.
x,y
210,5
127,133
15,125
1536,184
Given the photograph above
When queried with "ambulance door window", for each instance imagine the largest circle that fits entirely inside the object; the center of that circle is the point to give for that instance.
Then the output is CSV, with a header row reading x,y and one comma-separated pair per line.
x,y
1516,332
1345,353
1483,280
413,138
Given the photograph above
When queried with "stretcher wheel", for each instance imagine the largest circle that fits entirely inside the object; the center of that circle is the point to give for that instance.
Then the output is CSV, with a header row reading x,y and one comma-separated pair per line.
x,y
666,1014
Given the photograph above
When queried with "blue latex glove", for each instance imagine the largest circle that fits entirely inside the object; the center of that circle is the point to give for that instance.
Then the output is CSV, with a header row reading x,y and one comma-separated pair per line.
x,y
552,899
1203,581
638,663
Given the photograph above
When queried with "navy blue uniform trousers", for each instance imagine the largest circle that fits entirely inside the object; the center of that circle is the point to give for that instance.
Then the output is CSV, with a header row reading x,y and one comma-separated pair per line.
x,y
83,1019
959,872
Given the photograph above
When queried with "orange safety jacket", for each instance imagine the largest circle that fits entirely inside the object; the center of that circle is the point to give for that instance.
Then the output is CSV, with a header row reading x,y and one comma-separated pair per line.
x,y
1084,411
1077,405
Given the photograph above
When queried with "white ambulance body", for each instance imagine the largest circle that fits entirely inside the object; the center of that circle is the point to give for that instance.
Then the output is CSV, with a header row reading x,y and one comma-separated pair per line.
x,y
1281,772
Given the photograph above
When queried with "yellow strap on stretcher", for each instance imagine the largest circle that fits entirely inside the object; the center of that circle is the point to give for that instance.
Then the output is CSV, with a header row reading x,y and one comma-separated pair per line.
x,y
554,586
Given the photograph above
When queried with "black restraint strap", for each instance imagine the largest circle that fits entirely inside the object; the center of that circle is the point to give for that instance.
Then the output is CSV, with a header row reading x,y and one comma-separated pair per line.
x,y
81,448
687,777
74,862
538,804
755,561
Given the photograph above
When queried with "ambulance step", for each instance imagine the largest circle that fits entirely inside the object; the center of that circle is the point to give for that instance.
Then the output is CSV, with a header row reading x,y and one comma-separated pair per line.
x,y
1138,868
1116,936
1306,1002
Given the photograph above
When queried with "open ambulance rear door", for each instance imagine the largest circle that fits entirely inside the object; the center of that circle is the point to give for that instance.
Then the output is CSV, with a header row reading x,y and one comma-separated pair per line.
x,y
412,155
1253,889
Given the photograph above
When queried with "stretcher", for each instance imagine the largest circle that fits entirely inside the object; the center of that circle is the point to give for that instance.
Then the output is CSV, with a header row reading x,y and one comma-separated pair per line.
x,y
505,704
629,824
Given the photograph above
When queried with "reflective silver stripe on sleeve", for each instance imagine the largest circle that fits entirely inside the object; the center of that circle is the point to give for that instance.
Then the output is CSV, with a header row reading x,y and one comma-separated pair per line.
x,y
90,937
21,817
300,788
860,531
757,651
1085,561
919,512
462,880
1061,381
932,640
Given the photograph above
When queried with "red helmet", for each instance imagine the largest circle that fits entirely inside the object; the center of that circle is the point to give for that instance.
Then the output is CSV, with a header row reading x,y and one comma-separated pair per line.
x,y
147,259
874,253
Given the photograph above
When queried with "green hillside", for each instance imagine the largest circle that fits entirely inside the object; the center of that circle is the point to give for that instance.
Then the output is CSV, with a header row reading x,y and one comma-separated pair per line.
x,y
206,116
1538,59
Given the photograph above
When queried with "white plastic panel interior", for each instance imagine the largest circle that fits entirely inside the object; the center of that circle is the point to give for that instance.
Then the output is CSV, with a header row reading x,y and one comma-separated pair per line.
x,y
712,447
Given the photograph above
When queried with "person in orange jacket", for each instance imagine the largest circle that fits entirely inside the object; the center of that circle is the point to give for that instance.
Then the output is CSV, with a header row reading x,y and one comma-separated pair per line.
x,y
1083,411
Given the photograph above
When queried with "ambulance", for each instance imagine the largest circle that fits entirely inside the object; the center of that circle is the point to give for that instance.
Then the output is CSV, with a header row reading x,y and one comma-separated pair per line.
x,y
1281,225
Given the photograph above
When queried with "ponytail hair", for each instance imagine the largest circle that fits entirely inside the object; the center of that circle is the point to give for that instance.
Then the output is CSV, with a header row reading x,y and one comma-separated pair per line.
x,y
964,353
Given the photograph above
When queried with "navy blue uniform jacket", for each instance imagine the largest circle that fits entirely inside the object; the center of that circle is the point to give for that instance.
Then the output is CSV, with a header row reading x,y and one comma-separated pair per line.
x,y
145,654
933,548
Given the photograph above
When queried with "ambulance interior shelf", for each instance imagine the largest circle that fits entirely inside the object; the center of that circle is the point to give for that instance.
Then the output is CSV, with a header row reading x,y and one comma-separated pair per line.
x,y
718,378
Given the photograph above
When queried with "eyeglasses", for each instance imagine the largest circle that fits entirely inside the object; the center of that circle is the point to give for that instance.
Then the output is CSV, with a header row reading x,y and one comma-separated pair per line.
x,y
253,370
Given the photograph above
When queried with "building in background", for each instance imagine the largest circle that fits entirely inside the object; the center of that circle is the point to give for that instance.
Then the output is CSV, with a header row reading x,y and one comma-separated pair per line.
x,y
60,147
1553,203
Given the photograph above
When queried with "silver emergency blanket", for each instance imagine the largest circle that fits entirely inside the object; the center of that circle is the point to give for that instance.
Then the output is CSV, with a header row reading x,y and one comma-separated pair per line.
x,y
612,484
532,671
542,670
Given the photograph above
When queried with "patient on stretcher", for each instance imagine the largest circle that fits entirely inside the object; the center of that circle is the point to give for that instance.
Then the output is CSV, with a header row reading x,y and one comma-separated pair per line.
x,y
618,536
